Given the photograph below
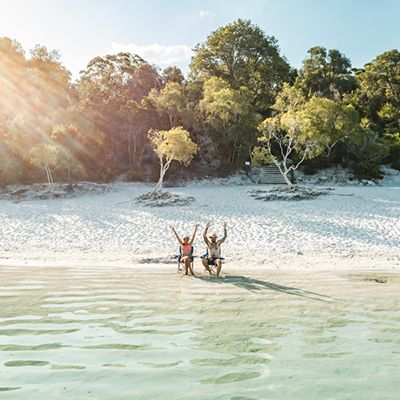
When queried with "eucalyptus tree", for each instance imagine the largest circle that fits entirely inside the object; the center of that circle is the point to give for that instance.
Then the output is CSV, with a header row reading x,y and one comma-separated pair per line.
x,y
243,55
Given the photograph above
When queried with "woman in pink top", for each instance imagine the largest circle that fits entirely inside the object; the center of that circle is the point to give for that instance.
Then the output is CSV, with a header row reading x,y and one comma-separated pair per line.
x,y
186,256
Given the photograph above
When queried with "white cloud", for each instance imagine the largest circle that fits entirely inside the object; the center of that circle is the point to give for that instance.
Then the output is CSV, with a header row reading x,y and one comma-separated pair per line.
x,y
206,14
156,53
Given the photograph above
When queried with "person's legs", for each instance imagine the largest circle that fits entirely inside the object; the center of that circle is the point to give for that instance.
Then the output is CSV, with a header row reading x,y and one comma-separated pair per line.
x,y
205,264
218,262
184,261
190,266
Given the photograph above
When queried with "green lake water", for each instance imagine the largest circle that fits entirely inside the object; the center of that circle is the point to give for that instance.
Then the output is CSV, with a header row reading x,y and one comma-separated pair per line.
x,y
132,333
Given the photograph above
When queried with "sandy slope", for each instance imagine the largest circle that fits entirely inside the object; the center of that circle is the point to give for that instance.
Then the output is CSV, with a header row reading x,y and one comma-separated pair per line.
x,y
355,227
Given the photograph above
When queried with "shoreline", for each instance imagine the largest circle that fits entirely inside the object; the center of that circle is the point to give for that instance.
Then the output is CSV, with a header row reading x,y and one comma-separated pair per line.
x,y
283,263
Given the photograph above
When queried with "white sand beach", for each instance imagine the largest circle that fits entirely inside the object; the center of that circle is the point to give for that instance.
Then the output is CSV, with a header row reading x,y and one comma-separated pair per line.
x,y
354,227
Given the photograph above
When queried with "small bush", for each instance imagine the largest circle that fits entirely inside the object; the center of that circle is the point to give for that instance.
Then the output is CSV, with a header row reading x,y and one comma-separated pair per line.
x,y
367,169
392,143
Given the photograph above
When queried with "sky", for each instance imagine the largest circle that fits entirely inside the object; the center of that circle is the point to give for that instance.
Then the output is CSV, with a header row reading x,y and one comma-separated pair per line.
x,y
164,32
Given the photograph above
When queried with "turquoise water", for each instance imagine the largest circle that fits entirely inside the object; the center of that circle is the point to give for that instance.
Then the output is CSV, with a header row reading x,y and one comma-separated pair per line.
x,y
132,333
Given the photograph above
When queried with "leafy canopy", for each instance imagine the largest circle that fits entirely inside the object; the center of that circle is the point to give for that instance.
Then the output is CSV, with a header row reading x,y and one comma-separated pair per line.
x,y
241,54
305,127
378,94
174,144
326,73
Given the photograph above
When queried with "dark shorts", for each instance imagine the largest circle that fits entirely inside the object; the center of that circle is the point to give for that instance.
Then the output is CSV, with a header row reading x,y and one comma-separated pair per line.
x,y
211,260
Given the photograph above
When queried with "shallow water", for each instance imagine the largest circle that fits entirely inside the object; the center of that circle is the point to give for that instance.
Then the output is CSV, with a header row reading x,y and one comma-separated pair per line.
x,y
132,333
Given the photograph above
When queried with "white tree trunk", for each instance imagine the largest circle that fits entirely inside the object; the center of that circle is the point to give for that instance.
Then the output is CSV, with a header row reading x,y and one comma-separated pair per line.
x,y
49,177
284,172
163,170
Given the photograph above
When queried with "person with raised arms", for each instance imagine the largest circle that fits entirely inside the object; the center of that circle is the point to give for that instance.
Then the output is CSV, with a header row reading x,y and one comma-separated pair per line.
x,y
186,250
213,256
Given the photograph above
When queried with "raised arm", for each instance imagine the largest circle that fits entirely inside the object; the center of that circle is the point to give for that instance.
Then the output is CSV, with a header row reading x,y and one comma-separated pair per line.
x,y
176,235
205,232
194,234
225,234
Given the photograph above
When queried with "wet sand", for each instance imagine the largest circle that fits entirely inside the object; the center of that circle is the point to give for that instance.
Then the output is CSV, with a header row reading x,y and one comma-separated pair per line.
x,y
145,332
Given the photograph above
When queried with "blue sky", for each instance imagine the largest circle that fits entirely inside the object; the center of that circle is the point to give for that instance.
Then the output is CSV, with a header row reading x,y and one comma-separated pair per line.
x,y
164,32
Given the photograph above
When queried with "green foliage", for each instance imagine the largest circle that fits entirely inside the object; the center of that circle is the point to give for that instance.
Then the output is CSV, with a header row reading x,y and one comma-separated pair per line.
x,y
170,101
241,54
174,144
289,98
44,155
69,140
378,93
172,74
368,152
326,74
261,156
303,129
391,142
97,128
330,121
231,117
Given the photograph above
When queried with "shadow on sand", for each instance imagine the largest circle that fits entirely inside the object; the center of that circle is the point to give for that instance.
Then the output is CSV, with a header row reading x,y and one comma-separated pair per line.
x,y
253,285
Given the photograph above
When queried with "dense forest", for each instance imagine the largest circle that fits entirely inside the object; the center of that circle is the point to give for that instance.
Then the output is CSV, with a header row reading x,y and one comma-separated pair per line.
x,y
240,101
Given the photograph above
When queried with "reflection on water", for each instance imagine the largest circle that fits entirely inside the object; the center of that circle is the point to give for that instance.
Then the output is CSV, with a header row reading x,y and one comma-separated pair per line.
x,y
69,333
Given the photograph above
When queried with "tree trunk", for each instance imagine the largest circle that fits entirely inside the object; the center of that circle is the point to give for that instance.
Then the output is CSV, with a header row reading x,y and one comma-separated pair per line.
x,y
163,170
284,172
287,180
49,177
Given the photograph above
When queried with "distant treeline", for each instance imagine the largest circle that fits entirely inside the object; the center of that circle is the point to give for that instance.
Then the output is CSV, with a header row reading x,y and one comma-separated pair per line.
x,y
97,127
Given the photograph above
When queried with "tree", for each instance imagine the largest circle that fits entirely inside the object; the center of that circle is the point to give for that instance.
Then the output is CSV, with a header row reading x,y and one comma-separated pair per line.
x,y
326,73
107,88
172,74
231,118
378,95
69,147
174,144
241,54
13,77
45,156
286,135
138,119
367,152
51,81
304,129
331,121
170,101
